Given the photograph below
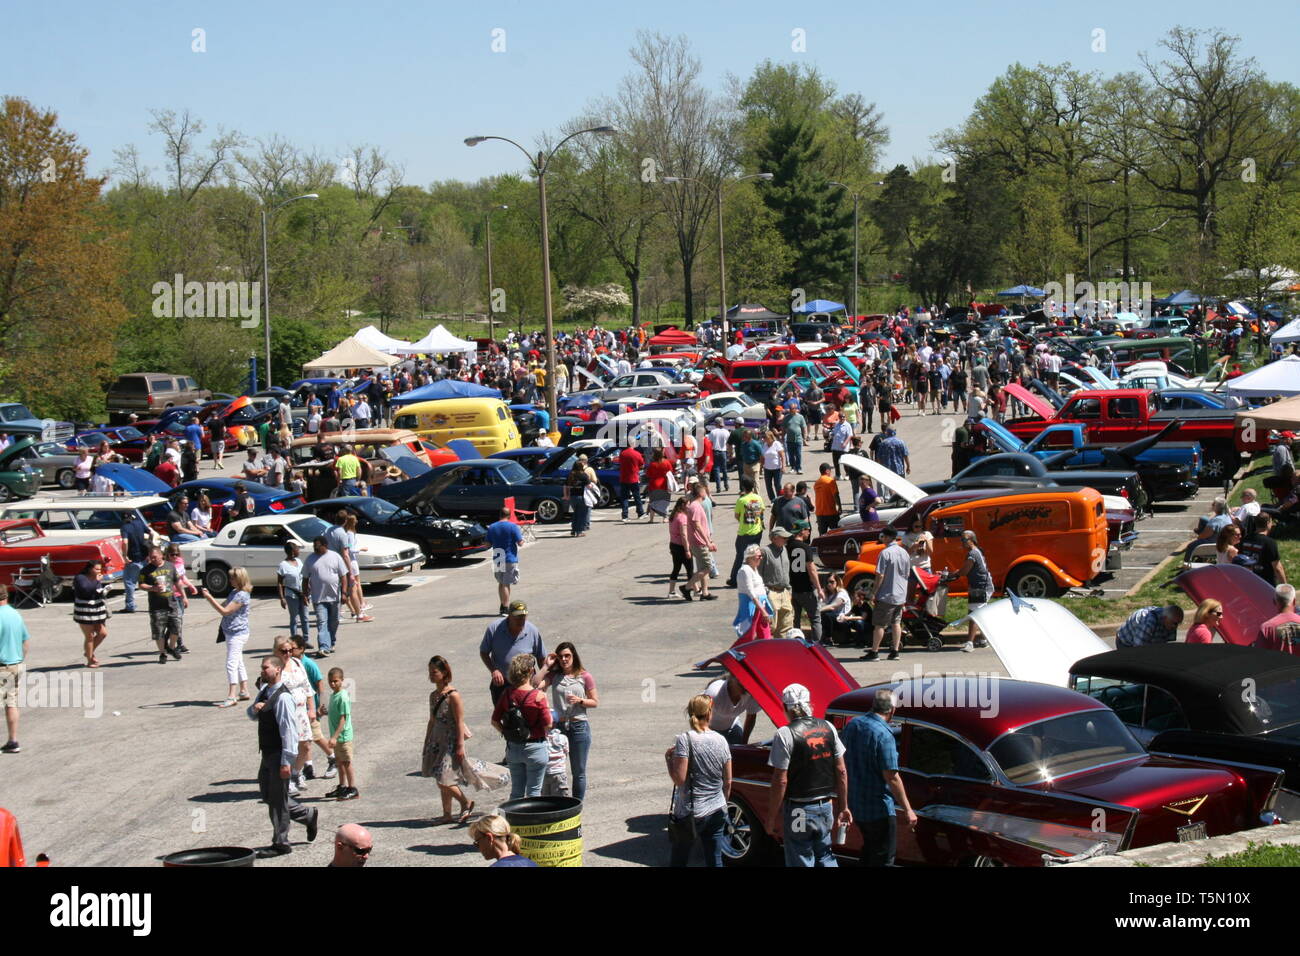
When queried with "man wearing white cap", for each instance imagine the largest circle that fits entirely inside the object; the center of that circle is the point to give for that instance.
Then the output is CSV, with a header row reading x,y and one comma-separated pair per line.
x,y
810,785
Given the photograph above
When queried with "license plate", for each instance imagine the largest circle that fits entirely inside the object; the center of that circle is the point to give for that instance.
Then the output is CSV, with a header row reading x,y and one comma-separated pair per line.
x,y
1193,831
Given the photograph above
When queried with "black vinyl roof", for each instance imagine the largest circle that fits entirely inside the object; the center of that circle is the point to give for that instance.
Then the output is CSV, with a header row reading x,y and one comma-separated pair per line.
x,y
1206,679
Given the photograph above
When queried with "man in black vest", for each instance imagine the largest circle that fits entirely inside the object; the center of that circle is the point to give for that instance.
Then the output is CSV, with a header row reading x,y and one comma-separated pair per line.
x,y
810,785
277,738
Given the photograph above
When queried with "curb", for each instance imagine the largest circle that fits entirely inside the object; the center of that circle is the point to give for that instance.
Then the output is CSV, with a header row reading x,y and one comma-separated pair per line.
x,y
1196,853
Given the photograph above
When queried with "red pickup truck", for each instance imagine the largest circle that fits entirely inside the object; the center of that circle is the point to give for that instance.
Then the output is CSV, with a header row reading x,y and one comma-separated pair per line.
x,y
1123,415
23,543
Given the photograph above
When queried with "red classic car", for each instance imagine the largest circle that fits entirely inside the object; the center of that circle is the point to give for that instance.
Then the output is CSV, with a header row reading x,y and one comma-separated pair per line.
x,y
23,543
999,772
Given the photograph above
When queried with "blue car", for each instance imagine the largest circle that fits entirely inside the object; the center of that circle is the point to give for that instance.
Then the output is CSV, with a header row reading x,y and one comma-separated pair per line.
x,y
476,488
220,491
551,465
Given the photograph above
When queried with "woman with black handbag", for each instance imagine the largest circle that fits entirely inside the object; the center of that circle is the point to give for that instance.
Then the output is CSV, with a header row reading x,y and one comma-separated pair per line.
x,y
699,764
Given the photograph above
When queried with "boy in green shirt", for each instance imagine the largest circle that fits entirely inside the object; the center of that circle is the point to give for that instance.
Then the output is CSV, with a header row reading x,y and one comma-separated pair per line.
x,y
749,518
340,718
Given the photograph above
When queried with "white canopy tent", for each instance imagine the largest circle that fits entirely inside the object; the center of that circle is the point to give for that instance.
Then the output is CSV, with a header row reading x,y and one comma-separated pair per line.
x,y
1288,333
1268,381
378,341
438,342
348,354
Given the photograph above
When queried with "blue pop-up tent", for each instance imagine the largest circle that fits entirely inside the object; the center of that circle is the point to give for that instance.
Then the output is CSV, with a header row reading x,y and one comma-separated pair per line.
x,y
1186,297
821,305
447,388
1023,290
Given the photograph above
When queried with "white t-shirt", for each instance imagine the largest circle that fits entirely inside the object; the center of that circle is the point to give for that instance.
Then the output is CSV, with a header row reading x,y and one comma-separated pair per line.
x,y
1248,510
726,712
772,456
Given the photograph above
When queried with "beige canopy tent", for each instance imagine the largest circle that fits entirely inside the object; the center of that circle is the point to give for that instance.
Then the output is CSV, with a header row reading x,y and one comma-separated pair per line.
x,y
1282,416
350,353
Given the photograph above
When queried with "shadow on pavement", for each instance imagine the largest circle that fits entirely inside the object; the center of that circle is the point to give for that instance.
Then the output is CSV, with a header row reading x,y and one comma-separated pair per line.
x,y
648,847
444,850
419,824
232,783
227,796
179,703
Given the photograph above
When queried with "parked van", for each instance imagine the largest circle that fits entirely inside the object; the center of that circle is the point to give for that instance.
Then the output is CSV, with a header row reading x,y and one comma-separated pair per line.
x,y
485,422
148,393
1038,544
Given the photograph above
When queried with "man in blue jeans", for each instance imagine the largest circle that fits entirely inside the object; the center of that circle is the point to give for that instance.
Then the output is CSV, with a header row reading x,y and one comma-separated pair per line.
x,y
872,758
325,574
135,534
630,463
810,785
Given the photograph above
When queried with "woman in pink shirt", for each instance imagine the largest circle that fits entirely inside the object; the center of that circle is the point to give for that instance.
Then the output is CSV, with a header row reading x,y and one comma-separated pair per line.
x,y
1206,623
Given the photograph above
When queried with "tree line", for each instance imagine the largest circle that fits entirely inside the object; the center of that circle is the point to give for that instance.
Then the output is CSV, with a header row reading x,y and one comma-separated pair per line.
x,y
1180,173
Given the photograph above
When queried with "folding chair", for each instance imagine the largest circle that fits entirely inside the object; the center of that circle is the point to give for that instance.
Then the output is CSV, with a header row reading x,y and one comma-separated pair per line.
x,y
36,585
1204,553
525,519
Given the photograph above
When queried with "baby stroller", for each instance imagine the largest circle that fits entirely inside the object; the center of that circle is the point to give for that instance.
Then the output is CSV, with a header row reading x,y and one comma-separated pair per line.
x,y
923,614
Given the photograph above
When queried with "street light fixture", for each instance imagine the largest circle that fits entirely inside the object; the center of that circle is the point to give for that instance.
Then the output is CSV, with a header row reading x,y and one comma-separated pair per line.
x,y
540,163
722,258
487,225
266,281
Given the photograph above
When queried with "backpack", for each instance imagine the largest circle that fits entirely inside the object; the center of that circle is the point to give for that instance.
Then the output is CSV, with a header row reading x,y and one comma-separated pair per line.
x,y
514,725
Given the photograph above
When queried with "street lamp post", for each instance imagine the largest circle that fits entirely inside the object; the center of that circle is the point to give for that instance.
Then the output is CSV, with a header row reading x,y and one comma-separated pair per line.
x,y
722,255
266,281
856,197
487,225
540,163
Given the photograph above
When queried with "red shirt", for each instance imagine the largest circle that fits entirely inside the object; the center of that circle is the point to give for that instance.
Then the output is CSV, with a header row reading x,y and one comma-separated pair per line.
x,y
1268,637
167,472
533,704
1199,634
704,463
630,462
656,475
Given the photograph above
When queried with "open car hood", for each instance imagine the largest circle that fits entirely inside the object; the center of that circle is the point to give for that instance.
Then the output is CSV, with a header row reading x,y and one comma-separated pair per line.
x,y
765,668
1003,439
134,480
891,480
1036,403
1036,640
1133,449
11,454
424,496
463,449
1246,598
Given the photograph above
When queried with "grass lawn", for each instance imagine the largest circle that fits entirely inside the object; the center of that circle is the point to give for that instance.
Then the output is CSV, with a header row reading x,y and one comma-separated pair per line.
x,y
1288,542
1258,855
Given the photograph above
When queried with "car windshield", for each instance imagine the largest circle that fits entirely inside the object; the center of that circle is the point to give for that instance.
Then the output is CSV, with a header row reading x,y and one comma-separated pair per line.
x,y
309,528
376,509
129,434
513,472
1052,748
15,413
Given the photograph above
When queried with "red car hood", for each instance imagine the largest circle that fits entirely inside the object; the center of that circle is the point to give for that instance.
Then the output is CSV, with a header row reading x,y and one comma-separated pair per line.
x,y
765,668
1246,598
1036,404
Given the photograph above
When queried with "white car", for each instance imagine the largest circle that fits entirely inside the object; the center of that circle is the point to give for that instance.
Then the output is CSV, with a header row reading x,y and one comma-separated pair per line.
x,y
736,404
257,545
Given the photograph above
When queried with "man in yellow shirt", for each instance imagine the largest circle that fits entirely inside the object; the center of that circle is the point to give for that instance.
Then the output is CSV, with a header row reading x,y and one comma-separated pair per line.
x,y
347,468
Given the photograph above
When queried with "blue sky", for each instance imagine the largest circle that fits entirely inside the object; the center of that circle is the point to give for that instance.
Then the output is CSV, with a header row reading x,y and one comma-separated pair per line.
x,y
416,78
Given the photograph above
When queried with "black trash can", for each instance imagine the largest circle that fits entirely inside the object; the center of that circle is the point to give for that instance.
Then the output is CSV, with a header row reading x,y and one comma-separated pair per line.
x,y
549,828
212,856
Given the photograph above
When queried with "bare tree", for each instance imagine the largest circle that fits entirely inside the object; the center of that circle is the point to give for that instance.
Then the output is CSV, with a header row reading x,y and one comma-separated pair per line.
x,y
373,178
129,168
191,169
268,170
671,119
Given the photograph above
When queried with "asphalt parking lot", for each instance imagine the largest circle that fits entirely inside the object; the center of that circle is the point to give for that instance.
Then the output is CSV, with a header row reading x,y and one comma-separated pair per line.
x,y
135,762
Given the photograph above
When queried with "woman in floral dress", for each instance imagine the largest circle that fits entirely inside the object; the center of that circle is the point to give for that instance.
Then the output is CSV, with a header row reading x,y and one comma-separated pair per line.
x,y
444,756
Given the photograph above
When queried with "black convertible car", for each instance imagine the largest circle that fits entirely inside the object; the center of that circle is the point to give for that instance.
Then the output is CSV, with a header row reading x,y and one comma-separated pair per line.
x,y
1015,469
476,488
437,537
1218,701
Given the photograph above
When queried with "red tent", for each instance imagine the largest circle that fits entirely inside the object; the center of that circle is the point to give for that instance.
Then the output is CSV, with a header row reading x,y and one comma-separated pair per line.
x,y
673,338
